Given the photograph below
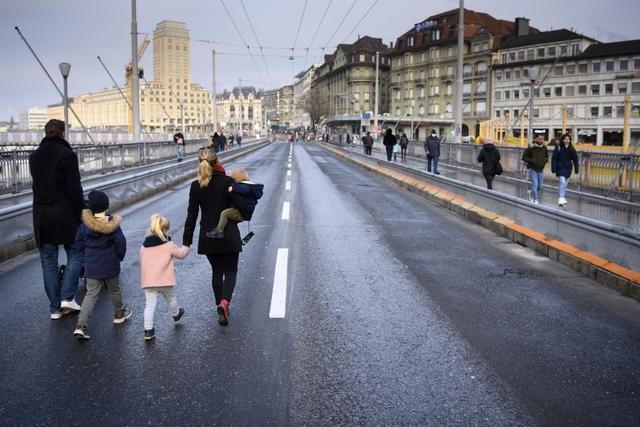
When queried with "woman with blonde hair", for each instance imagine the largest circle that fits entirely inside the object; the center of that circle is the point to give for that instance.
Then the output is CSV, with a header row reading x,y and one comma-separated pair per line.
x,y
209,195
157,273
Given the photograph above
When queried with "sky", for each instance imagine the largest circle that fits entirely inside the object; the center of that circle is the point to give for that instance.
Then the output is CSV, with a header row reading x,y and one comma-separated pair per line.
x,y
77,31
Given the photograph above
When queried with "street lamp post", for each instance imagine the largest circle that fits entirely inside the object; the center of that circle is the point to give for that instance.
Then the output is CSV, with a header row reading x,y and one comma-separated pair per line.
x,y
533,78
65,68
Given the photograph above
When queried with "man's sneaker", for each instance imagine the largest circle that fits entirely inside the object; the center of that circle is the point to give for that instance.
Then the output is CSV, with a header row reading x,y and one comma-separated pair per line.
x,y
178,317
57,315
149,334
71,305
82,332
530,196
223,313
215,234
537,202
122,315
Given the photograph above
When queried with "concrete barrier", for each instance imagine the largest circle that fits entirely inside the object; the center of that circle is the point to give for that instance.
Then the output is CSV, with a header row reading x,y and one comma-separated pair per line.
x,y
124,188
606,253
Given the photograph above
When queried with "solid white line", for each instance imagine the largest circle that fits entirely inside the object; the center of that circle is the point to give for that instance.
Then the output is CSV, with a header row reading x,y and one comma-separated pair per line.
x,y
285,210
279,295
289,165
288,173
288,185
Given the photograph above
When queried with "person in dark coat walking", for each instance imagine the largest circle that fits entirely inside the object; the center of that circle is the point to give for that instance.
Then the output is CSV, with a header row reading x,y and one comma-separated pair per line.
x,y
239,140
404,144
389,141
489,156
223,142
536,157
58,202
104,247
563,161
210,195
367,142
432,150
215,142
178,139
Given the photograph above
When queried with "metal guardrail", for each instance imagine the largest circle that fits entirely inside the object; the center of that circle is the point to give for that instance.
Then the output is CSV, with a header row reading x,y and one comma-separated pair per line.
x,y
614,175
124,187
92,159
618,244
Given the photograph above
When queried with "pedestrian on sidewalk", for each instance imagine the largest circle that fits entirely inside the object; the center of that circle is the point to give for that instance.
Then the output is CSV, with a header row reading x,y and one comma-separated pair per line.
x,y
367,142
536,157
396,150
103,246
178,139
404,143
231,139
210,195
489,156
389,141
157,273
432,151
58,201
223,143
563,161
239,140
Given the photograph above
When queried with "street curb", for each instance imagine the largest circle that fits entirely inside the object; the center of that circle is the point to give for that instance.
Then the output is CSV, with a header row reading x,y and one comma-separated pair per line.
x,y
29,243
609,274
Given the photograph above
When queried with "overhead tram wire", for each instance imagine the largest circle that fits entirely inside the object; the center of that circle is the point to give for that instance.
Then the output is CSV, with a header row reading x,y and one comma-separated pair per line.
x,y
315,34
295,41
253,30
344,18
360,21
242,38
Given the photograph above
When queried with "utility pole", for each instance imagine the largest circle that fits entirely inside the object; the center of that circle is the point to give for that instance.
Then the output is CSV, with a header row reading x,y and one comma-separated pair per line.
x,y
458,113
530,130
375,109
135,84
564,119
240,96
625,133
214,108
182,115
65,68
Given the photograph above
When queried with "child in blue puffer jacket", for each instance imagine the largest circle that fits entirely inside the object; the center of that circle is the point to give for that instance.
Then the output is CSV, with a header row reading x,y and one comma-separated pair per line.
x,y
103,245
250,193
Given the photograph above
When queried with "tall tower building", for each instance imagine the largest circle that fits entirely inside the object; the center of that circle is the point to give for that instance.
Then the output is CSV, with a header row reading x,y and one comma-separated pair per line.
x,y
171,54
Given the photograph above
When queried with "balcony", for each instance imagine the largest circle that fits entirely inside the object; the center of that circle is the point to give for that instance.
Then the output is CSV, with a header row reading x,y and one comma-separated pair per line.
x,y
480,93
481,73
419,82
447,78
467,75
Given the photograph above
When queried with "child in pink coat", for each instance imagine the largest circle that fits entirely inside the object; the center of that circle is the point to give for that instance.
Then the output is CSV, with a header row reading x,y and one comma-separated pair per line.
x,y
157,273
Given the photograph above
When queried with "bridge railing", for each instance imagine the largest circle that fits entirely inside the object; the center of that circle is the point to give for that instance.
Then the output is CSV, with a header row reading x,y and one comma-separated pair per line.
x,y
93,159
610,174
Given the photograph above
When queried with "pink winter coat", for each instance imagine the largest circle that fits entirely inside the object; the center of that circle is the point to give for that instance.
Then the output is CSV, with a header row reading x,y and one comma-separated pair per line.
x,y
156,262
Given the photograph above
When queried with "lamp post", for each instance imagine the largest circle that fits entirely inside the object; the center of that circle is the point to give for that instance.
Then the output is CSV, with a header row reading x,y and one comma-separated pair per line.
x,y
534,72
65,68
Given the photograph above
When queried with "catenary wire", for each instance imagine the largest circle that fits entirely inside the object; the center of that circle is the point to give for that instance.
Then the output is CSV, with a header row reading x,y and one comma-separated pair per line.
x,y
255,35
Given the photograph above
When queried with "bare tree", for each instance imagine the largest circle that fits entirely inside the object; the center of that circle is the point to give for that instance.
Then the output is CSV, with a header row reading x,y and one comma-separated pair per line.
x,y
316,104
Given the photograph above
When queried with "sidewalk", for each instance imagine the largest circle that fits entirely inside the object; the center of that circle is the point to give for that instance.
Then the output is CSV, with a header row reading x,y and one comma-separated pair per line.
x,y
592,206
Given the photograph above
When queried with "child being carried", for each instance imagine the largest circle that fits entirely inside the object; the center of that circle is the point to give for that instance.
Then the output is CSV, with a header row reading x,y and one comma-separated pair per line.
x,y
250,193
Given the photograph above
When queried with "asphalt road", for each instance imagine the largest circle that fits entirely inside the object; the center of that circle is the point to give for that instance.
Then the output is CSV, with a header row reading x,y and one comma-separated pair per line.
x,y
397,312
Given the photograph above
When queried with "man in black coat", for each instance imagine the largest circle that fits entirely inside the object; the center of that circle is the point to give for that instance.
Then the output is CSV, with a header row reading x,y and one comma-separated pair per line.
x,y
389,141
178,139
58,201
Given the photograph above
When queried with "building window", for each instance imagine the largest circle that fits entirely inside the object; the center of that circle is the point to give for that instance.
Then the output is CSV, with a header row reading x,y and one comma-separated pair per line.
x,y
541,52
497,113
595,67
608,89
536,113
551,51
516,113
595,89
485,45
558,91
507,94
636,64
466,109
422,110
449,108
481,68
558,70
525,93
450,52
512,56
516,74
608,66
547,92
620,111
563,50
516,94
582,68
607,111
481,108
466,89
481,88
411,41
497,95
521,55
435,35
449,90
623,65
622,88
498,76
635,87
571,69
595,111
529,54
582,90
361,58
507,75
466,70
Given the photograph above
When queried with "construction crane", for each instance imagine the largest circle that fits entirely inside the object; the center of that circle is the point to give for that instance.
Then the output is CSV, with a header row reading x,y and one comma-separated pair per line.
x,y
129,74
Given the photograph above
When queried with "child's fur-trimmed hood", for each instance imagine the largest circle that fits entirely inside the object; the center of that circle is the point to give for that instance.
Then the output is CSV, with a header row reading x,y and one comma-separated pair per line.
x,y
98,225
